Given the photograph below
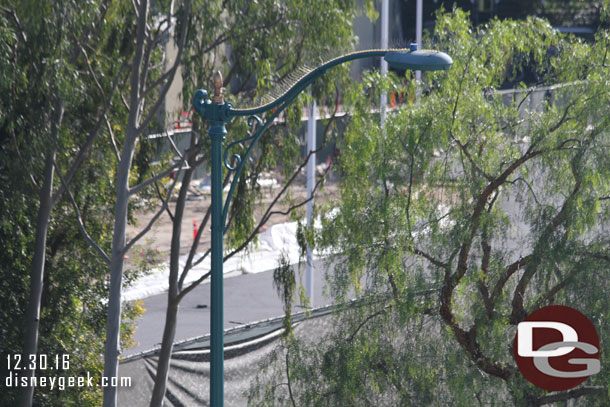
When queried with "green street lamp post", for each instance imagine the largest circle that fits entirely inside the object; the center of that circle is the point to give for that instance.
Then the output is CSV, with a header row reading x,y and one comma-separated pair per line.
x,y
218,113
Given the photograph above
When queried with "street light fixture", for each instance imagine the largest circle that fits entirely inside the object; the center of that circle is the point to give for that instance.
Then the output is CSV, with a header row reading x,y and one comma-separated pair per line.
x,y
218,113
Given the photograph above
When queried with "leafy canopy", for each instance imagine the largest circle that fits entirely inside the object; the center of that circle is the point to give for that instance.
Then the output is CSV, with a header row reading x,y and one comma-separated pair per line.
x,y
471,209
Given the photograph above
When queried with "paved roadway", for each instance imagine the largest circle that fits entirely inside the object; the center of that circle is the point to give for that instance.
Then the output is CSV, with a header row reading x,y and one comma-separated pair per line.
x,y
251,297
247,298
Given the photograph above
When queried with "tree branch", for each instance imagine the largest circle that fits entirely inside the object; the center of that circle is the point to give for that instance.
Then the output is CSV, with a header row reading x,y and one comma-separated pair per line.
x,y
79,219
161,97
294,404
508,272
134,190
518,312
464,150
189,262
351,337
598,256
160,195
115,147
430,258
268,213
159,212
94,132
556,288
572,394
193,284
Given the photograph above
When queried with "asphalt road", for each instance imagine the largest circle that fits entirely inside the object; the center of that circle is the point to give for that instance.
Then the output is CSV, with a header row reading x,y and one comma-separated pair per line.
x,y
251,297
247,298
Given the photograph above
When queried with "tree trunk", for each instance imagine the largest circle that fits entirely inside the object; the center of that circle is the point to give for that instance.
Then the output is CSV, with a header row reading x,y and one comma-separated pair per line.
x,y
32,316
113,318
167,343
165,356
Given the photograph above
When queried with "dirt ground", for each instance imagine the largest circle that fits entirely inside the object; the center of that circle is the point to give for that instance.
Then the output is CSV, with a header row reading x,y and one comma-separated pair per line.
x,y
155,245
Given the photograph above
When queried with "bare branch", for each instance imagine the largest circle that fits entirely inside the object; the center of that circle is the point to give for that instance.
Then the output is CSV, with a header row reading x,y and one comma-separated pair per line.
x,y
528,187
124,101
173,144
151,44
294,404
189,262
115,148
508,272
155,178
527,95
572,394
193,284
269,212
146,229
136,9
367,319
79,219
556,288
198,261
218,41
160,195
154,218
159,80
430,258
135,91
464,150
94,132
161,97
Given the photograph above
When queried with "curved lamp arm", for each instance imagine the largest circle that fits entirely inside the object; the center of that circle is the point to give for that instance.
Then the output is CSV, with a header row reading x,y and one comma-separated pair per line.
x,y
217,112
423,60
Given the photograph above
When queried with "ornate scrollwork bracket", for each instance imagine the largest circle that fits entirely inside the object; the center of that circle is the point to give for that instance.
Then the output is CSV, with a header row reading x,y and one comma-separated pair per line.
x,y
237,169
254,137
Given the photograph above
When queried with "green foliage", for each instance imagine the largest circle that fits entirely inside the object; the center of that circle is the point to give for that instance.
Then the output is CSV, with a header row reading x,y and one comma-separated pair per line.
x,y
258,46
78,55
284,282
43,61
471,209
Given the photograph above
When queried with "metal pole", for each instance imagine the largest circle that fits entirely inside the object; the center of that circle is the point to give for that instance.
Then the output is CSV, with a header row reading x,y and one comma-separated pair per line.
x,y
217,133
384,65
311,180
418,32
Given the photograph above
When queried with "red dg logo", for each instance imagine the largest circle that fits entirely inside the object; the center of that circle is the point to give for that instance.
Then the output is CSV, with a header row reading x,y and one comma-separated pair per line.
x,y
556,348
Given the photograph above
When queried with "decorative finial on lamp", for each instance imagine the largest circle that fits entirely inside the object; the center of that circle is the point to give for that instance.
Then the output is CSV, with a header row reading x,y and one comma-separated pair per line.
x,y
218,97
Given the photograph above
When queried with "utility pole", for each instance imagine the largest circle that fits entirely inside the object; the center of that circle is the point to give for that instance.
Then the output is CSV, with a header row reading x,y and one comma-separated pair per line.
x,y
383,102
311,181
